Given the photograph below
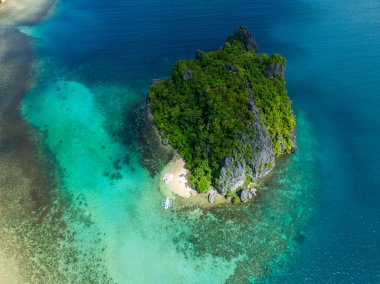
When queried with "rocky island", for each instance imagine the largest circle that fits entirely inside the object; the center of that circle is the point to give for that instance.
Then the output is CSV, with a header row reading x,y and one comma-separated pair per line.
x,y
228,115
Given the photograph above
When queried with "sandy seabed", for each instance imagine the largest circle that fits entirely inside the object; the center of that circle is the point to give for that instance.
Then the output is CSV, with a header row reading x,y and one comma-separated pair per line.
x,y
25,12
20,178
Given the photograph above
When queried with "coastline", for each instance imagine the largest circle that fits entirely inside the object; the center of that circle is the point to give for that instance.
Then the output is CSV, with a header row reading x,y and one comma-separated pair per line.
x,y
179,190
178,184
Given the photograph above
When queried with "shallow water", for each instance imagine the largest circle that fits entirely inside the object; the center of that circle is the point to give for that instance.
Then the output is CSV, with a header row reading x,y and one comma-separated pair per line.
x,y
84,107
315,221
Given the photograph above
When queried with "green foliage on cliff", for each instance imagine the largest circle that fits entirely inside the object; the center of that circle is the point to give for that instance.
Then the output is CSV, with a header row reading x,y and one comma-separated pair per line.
x,y
205,105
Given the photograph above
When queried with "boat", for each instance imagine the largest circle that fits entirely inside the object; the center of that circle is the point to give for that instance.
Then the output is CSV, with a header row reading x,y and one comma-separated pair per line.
x,y
166,203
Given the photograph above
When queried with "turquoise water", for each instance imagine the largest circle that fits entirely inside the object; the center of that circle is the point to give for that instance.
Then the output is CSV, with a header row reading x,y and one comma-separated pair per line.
x,y
125,210
174,246
315,220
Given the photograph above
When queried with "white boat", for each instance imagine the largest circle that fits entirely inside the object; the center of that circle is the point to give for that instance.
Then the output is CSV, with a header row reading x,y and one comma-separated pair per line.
x,y
166,203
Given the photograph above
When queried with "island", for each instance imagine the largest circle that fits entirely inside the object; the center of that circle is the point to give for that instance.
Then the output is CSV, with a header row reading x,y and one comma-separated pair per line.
x,y
227,114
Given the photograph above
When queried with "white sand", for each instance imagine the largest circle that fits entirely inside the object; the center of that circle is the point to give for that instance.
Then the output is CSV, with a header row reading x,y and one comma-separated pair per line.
x,y
180,188
179,183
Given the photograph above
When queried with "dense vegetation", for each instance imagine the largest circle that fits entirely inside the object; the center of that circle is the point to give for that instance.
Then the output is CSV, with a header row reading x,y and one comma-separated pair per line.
x,y
204,106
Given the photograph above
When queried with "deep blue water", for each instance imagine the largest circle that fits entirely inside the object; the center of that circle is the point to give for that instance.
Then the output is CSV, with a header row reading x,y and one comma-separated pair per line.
x,y
333,54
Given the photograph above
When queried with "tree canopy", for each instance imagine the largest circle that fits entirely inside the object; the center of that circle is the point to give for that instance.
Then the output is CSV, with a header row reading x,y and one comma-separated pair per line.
x,y
205,105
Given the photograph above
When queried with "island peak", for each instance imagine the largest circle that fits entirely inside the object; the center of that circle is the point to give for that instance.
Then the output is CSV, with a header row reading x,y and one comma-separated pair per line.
x,y
243,35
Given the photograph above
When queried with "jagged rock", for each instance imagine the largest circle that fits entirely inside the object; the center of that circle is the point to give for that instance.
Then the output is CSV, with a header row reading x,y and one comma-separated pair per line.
x,y
245,194
262,160
257,164
165,141
231,68
199,54
211,196
275,70
232,175
187,75
294,140
242,34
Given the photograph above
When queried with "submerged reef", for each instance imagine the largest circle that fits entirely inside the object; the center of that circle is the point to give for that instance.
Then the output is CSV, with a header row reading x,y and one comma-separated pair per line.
x,y
227,113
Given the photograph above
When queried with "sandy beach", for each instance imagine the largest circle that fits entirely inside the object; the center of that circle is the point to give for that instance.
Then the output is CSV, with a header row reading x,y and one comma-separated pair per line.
x,y
178,184
179,188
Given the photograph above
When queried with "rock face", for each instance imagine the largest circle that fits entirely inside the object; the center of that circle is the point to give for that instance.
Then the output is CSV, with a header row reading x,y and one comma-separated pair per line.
x,y
232,175
275,70
245,194
165,141
294,140
187,75
263,158
231,68
243,34
253,157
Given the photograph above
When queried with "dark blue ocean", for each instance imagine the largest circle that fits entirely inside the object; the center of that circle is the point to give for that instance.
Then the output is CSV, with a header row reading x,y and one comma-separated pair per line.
x,y
115,49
